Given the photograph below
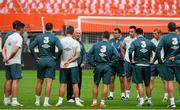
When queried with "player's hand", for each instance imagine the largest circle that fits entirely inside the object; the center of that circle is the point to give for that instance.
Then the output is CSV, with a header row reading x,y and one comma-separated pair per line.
x,y
132,62
151,62
22,64
163,61
5,59
66,64
82,65
172,58
54,58
37,60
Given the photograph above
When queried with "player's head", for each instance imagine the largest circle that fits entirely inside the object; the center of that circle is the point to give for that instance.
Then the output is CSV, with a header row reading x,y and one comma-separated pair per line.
x,y
139,31
172,27
157,33
106,35
116,33
132,31
77,34
19,27
70,30
14,24
49,26
178,30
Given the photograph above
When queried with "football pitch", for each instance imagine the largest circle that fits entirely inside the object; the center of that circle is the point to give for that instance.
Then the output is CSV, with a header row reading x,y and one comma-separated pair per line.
x,y
27,89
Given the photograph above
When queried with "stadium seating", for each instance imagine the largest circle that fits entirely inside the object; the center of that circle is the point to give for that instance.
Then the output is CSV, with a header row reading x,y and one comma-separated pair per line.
x,y
91,7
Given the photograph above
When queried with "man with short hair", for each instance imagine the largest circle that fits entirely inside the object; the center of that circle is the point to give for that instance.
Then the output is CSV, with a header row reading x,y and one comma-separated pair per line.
x,y
102,56
69,66
128,69
170,43
142,49
117,69
157,68
12,57
46,59
14,24
81,64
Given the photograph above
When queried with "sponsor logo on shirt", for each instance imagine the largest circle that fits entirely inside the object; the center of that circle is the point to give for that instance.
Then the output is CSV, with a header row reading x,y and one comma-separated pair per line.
x,y
46,46
67,49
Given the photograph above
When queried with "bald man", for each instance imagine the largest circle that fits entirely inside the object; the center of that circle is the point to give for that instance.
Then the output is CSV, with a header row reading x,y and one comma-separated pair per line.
x,y
81,65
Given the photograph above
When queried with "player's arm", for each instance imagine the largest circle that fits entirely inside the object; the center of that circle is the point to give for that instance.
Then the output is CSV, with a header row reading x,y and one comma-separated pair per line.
x,y
90,57
15,50
33,44
158,50
123,49
175,55
75,57
60,48
115,57
83,56
153,48
4,54
131,50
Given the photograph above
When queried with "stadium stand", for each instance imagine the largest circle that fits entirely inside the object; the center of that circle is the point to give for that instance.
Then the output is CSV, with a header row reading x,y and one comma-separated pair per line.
x,y
92,7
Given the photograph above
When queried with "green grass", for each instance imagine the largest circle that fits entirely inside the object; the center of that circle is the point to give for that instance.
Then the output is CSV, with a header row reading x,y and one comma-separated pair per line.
x,y
27,88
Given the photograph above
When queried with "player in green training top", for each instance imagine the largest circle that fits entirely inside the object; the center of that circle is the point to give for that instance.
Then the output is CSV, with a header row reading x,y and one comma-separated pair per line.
x,y
170,43
46,43
117,69
102,55
142,49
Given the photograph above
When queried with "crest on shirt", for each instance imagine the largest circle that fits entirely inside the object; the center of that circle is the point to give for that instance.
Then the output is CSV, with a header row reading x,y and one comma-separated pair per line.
x,y
9,44
67,49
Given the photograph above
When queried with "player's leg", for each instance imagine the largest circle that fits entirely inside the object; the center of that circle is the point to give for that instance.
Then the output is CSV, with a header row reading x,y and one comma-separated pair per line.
x,y
139,82
147,77
50,75
104,95
7,86
16,75
63,81
162,71
165,86
75,80
128,71
122,86
69,90
80,83
170,79
39,83
7,92
97,78
111,86
38,91
95,95
171,92
48,91
152,82
154,74
128,86
106,81
121,74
